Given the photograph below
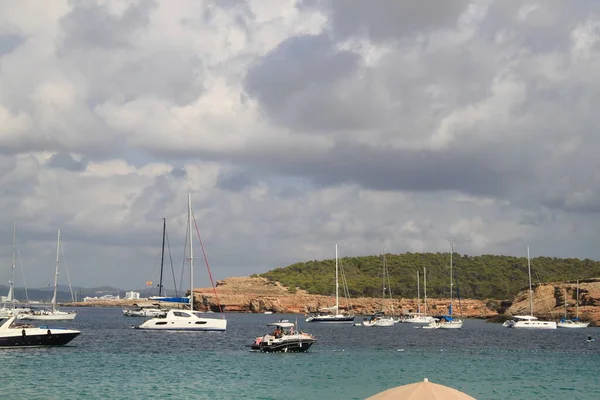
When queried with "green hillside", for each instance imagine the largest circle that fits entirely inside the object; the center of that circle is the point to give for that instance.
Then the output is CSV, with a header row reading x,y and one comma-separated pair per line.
x,y
480,277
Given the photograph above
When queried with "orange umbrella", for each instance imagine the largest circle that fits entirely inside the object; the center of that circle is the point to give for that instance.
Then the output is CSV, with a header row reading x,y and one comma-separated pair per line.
x,y
421,391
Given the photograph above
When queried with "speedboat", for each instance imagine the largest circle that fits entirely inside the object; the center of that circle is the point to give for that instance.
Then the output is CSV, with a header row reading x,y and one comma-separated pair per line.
x,y
26,335
379,319
184,320
283,339
144,312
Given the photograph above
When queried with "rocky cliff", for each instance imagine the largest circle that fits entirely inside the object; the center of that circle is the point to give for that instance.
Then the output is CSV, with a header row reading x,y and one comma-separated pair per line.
x,y
248,294
549,300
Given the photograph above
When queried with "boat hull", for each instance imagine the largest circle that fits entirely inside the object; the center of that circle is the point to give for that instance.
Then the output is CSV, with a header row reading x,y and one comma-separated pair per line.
x,y
380,323
534,325
49,317
573,325
451,325
184,321
34,337
332,320
286,347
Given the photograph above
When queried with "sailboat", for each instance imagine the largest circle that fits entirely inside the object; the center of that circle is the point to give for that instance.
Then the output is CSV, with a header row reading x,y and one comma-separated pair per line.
x,y
379,318
572,323
529,321
447,321
419,317
186,320
11,309
53,314
332,314
160,297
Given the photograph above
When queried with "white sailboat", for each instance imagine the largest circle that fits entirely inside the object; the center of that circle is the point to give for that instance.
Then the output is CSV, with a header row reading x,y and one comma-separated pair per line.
x,y
186,320
419,317
379,318
332,314
448,322
53,314
572,323
10,309
529,321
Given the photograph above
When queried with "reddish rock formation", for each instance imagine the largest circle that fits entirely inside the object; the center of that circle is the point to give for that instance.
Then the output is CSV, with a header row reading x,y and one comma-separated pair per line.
x,y
248,294
549,298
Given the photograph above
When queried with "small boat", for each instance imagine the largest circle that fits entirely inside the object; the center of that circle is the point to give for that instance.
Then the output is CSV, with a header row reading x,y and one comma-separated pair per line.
x,y
142,311
379,319
268,312
285,338
27,335
590,339
575,322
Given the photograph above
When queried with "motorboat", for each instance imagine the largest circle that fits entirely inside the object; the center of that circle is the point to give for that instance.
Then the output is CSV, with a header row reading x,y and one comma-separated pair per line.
x,y
26,335
285,338
184,320
142,311
379,319
528,322
6,312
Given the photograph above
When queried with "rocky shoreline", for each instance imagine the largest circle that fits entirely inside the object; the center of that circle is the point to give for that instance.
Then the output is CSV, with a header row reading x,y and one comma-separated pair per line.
x,y
259,295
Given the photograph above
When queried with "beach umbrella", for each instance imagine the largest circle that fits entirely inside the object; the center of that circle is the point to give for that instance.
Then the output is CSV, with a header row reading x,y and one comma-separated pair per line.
x,y
421,391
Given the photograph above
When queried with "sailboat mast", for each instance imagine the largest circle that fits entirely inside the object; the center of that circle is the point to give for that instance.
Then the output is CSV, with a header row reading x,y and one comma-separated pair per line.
x,y
162,257
565,303
451,284
425,288
577,302
11,283
383,280
418,293
191,252
337,284
56,270
530,289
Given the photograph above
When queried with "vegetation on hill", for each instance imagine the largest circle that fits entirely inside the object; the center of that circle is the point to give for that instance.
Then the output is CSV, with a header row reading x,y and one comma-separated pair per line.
x,y
480,277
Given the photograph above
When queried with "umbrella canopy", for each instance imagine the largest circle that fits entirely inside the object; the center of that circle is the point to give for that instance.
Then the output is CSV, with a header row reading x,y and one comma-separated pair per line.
x,y
421,391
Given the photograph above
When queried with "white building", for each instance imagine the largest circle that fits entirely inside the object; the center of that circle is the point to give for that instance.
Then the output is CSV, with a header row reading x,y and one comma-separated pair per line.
x,y
132,295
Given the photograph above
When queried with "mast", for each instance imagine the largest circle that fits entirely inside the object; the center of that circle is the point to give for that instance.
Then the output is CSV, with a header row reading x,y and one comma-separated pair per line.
x,y
56,271
191,252
565,303
577,302
337,284
451,252
162,257
11,293
530,289
418,293
383,285
425,288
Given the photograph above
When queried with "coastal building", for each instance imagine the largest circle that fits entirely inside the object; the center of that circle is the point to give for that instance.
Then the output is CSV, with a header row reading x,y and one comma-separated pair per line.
x,y
106,297
132,295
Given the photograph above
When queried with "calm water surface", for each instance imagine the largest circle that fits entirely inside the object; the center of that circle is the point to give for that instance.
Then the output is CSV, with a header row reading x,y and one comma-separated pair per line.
x,y
111,361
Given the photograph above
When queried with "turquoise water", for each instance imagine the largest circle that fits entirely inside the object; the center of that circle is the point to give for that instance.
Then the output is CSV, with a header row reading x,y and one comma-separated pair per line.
x,y
111,361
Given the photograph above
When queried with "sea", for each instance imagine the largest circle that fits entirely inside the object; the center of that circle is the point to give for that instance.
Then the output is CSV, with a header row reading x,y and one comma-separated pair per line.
x,y
110,360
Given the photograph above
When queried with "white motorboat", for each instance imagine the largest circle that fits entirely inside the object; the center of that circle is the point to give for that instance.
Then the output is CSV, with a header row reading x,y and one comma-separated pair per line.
x,y
575,322
285,338
25,335
144,312
332,314
53,314
529,321
186,320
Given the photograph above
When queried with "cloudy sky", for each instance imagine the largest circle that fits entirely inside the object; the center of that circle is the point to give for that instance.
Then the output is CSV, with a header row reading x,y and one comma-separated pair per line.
x,y
296,125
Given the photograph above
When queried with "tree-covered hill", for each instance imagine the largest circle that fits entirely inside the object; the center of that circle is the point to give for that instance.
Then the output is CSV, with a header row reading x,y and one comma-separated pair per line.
x,y
480,277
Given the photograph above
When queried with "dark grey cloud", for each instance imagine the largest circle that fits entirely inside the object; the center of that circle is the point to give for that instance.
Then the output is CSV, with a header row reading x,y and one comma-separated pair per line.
x,y
390,20
9,42
66,161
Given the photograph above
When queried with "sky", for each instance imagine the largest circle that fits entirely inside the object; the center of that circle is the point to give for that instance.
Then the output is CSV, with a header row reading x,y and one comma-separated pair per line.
x,y
295,124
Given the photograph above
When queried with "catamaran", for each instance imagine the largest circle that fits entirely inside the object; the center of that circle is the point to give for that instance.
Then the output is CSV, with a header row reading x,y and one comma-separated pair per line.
x,y
333,314
529,321
186,320
576,322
